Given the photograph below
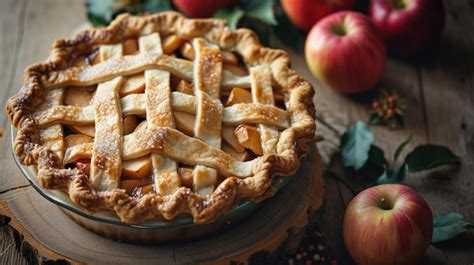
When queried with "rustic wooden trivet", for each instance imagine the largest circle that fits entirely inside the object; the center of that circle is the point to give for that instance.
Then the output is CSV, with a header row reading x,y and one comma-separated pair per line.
x,y
278,223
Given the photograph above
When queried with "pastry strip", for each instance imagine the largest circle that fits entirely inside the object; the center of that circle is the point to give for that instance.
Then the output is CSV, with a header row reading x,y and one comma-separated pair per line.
x,y
135,105
159,114
69,115
235,114
132,64
52,137
106,161
208,124
175,144
256,113
262,93
106,155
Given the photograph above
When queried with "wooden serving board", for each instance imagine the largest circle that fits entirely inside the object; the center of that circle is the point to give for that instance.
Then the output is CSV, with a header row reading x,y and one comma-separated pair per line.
x,y
53,236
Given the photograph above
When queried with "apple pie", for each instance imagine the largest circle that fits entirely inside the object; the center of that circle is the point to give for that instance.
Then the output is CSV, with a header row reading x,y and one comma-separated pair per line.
x,y
160,115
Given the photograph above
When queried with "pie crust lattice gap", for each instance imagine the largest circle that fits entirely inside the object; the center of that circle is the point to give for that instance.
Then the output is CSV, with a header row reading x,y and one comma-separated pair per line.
x,y
190,140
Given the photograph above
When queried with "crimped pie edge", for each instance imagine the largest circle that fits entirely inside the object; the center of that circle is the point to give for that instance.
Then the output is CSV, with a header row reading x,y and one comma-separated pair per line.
x,y
292,144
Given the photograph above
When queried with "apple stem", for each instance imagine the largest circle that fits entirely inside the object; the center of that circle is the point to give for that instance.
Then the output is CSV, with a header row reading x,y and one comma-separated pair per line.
x,y
399,4
384,204
339,29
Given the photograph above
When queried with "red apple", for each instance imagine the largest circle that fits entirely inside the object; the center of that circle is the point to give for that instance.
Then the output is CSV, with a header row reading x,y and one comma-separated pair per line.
x,y
409,26
345,51
387,224
201,8
305,13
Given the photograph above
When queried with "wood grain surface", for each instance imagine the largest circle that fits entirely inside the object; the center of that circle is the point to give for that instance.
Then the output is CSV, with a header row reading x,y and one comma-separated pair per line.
x,y
438,90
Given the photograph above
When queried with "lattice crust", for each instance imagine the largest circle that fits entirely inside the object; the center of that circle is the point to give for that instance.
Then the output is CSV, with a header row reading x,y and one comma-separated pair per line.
x,y
185,123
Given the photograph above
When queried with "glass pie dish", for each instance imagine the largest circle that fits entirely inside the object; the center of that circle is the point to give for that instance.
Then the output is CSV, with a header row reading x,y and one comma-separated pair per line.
x,y
158,118
157,230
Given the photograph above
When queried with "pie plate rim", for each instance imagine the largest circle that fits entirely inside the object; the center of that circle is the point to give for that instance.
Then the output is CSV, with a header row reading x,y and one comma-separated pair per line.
x,y
184,220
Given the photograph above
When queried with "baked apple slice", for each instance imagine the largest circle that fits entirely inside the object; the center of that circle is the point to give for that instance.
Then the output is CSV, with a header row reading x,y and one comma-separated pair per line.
x,y
238,95
84,129
78,96
133,84
84,164
77,139
94,58
81,97
130,46
229,58
137,168
249,137
171,43
186,175
132,185
184,122
81,162
187,51
184,87
80,61
140,191
76,155
129,124
242,156
235,69
77,152
229,136
141,126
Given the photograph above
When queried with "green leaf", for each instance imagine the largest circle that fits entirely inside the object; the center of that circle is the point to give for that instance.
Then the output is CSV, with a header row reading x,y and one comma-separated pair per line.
x,y
400,173
355,145
97,21
231,14
375,119
261,10
385,178
448,226
155,6
287,33
375,165
262,32
100,13
392,176
377,157
401,147
398,121
429,156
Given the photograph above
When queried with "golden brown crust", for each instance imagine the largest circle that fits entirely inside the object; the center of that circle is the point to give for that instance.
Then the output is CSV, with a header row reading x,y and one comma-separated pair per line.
x,y
291,146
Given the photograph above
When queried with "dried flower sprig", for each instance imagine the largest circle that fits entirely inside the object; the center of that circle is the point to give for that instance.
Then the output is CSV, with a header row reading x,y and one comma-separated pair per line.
x,y
388,110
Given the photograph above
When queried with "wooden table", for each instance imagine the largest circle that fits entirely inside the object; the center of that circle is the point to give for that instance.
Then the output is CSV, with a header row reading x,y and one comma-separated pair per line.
x,y
439,93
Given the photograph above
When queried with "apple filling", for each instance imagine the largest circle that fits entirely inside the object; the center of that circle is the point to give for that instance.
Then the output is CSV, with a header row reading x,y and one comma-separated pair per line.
x,y
241,141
